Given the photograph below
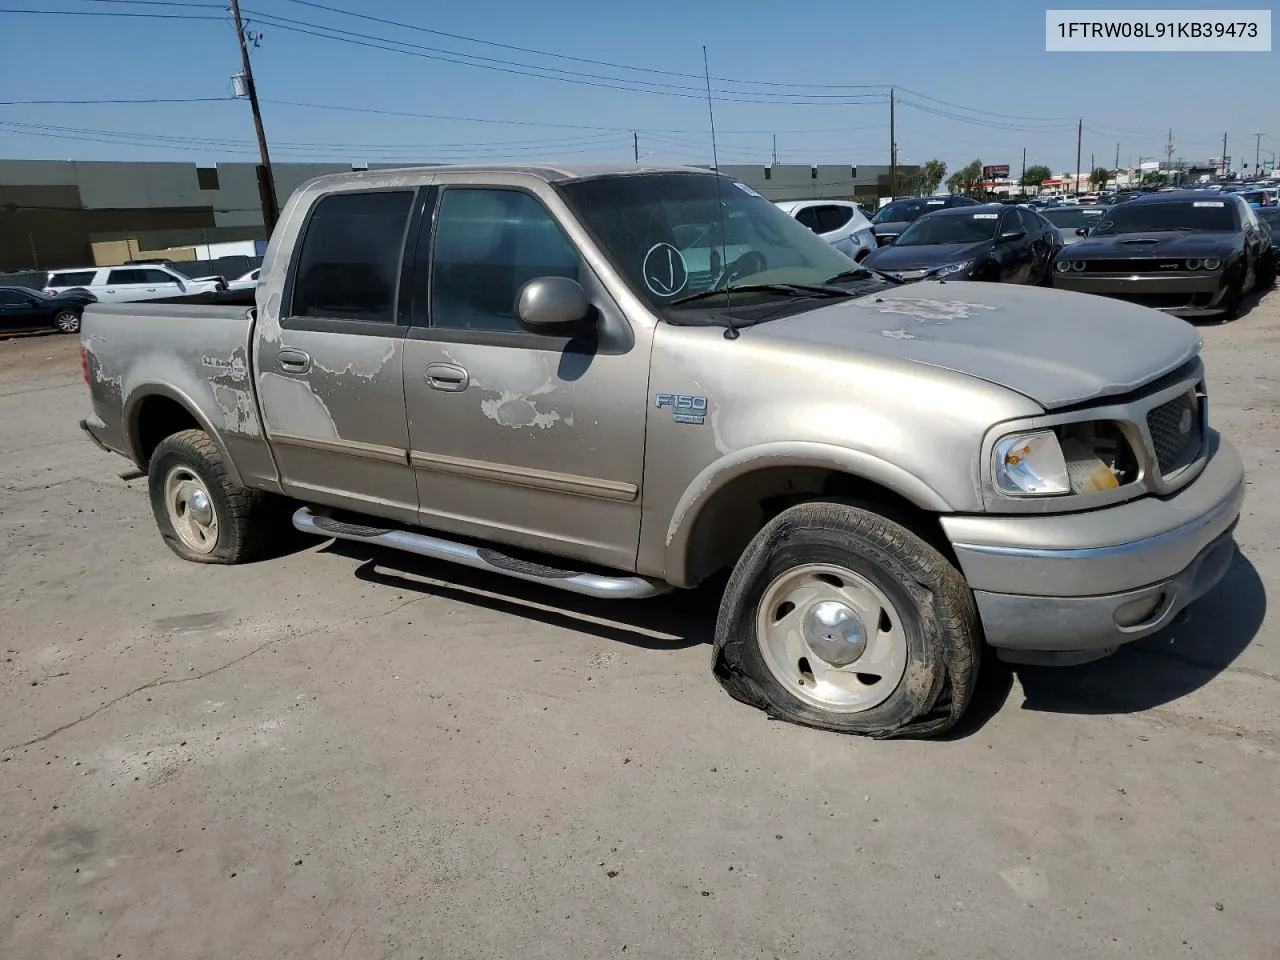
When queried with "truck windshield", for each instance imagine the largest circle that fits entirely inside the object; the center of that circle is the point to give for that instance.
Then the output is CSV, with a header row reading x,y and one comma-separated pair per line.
x,y
672,235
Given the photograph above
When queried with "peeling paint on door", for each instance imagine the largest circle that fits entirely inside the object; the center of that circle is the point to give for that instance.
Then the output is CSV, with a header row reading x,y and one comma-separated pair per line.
x,y
292,407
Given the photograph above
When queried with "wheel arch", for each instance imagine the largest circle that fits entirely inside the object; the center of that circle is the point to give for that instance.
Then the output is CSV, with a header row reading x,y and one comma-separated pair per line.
x,y
158,410
730,500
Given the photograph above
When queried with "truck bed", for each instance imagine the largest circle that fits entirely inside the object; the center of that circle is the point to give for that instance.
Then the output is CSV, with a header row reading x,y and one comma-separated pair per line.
x,y
197,357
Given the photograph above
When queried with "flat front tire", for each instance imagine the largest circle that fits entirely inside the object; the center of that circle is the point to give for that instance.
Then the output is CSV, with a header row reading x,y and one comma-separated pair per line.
x,y
203,515
840,618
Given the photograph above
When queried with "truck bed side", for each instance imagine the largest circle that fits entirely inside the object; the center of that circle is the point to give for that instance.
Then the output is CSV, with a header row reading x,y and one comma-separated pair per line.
x,y
152,368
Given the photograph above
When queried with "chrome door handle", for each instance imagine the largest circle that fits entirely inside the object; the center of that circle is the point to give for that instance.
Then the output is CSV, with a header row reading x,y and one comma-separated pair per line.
x,y
448,377
293,361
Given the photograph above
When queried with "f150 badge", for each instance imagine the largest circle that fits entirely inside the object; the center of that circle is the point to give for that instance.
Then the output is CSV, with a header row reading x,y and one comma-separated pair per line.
x,y
684,409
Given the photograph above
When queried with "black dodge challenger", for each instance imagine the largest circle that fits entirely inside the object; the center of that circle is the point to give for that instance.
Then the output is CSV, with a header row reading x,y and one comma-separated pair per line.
x,y
1189,253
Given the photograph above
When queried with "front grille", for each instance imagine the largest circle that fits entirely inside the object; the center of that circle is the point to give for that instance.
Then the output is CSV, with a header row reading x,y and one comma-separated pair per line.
x,y
1143,265
1175,432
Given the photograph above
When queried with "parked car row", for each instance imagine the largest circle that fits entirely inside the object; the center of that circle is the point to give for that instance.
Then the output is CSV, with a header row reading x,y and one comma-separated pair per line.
x,y
1190,253
131,284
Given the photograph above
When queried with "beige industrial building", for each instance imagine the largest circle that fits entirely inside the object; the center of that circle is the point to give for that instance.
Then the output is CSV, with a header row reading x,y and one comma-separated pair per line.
x,y
54,212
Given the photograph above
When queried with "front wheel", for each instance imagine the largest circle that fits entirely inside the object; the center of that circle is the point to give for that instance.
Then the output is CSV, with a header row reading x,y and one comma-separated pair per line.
x,y
839,618
67,321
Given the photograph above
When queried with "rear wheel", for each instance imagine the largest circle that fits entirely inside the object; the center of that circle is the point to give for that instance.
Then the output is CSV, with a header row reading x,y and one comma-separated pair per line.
x,y
837,617
67,321
203,515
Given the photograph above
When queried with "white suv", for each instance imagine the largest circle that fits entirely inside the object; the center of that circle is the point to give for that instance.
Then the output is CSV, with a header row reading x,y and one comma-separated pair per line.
x,y
130,283
839,222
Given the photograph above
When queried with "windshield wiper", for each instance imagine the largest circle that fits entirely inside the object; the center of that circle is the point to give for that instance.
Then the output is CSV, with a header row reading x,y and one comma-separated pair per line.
x,y
790,289
859,273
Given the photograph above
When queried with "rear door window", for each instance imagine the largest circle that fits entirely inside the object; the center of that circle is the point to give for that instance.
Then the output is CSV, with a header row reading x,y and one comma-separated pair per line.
x,y
349,262
73,278
159,276
120,278
832,217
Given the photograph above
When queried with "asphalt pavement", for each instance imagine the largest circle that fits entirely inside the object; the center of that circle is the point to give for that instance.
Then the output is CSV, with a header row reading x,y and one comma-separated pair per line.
x,y
338,752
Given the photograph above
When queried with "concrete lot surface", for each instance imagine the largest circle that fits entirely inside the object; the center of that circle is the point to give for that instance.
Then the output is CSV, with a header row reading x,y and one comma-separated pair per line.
x,y
341,753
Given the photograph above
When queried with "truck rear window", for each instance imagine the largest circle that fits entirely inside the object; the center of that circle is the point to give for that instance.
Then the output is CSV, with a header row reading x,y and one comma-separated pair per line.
x,y
72,278
350,257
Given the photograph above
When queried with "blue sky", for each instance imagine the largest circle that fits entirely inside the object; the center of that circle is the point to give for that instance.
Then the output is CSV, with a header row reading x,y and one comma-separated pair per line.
x,y
1002,91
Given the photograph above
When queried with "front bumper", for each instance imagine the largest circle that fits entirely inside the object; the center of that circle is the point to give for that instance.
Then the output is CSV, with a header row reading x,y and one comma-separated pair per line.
x,y
1189,295
1072,587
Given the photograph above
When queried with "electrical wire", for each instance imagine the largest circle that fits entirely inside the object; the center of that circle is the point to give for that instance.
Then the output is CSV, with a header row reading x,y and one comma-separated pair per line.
x,y
560,56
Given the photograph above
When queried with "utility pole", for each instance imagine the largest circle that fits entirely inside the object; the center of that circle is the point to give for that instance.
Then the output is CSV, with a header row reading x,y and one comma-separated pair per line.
x,y
635,146
1168,151
1224,155
893,152
775,149
1257,150
266,179
1091,171
1079,137
1022,186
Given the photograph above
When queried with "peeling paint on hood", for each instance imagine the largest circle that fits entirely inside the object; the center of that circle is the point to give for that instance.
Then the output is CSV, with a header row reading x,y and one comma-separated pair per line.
x,y
1056,347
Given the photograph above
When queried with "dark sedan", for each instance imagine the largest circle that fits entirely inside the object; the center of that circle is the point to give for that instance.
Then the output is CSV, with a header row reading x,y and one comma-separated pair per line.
x,y
987,242
25,309
1189,253
895,216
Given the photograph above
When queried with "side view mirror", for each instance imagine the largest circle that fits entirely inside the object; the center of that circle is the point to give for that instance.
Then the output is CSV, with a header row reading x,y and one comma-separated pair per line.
x,y
1082,231
1010,235
552,305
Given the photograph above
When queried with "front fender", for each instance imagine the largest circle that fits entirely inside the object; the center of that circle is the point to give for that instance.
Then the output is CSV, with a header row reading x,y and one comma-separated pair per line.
x,y
716,475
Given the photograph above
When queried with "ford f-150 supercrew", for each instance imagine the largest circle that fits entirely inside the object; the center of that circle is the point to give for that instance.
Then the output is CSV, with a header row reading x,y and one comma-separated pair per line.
x,y
623,381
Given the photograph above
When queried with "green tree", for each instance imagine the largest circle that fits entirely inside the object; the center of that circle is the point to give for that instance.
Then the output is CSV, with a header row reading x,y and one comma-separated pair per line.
x,y
1152,178
1035,175
1098,177
931,175
966,179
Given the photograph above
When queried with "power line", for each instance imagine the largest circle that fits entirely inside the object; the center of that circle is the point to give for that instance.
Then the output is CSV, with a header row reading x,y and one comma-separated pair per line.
x,y
114,13
561,56
147,100
580,78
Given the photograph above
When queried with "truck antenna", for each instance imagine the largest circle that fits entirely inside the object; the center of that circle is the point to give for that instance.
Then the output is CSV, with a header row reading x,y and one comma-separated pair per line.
x,y
731,332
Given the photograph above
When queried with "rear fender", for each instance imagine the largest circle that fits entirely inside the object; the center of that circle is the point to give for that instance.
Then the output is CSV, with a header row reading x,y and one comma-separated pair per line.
x,y
133,407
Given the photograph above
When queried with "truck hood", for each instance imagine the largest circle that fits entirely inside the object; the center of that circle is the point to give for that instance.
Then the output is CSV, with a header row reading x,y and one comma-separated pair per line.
x,y
1056,347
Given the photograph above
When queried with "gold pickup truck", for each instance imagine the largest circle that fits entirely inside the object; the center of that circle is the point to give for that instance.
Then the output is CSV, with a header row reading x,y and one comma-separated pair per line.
x,y
620,381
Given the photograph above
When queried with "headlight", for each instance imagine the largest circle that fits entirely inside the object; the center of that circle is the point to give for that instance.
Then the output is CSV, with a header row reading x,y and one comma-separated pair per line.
x,y
1030,464
951,269
1212,263
1193,264
1063,266
1078,266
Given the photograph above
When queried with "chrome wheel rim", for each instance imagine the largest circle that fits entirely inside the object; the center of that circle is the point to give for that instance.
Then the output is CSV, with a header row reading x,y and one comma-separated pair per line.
x,y
190,509
67,321
831,637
